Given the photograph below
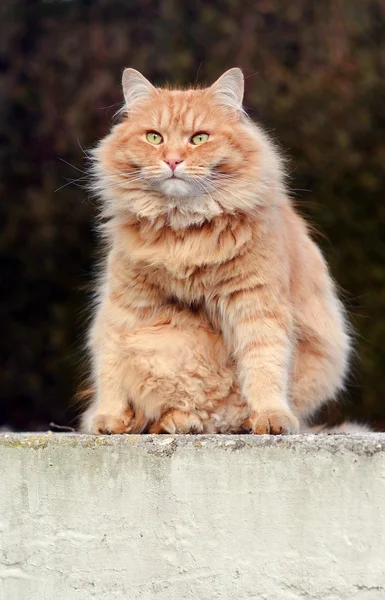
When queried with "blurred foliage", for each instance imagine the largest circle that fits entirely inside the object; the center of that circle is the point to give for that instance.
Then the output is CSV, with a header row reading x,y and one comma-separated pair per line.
x,y
315,79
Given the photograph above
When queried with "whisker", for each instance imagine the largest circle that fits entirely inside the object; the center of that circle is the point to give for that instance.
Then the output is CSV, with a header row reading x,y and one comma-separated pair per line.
x,y
243,199
69,164
86,154
72,181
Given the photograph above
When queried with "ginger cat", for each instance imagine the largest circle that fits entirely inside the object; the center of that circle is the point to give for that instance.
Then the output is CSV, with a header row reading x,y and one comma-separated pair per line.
x,y
216,311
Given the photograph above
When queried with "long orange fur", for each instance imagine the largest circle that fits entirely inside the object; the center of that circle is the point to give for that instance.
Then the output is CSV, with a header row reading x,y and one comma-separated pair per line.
x,y
216,311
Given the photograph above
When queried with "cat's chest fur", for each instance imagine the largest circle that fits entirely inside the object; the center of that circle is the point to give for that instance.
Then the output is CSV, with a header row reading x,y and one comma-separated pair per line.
x,y
185,284
193,264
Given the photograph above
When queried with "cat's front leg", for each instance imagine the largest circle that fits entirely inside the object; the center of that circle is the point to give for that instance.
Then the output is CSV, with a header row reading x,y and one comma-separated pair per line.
x,y
257,330
109,411
127,303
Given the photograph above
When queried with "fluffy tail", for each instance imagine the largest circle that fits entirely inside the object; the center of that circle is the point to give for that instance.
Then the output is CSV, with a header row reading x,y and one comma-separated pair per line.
x,y
345,427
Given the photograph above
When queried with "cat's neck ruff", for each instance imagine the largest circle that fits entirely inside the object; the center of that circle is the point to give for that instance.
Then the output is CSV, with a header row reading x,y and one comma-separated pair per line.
x,y
211,243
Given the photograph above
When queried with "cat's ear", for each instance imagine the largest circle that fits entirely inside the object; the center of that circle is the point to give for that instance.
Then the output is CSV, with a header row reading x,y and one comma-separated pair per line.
x,y
228,89
135,87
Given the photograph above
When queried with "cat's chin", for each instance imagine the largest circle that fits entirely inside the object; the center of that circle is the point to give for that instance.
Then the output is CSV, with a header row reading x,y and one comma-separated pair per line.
x,y
176,187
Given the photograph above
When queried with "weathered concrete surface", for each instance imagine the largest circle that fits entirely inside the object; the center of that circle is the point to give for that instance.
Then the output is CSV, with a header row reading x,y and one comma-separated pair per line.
x,y
199,517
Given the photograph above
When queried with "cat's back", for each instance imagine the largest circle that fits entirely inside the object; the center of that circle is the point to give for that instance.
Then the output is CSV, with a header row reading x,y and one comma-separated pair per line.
x,y
310,278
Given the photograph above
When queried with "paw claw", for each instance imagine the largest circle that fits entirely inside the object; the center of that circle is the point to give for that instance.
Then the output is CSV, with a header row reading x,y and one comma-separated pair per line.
x,y
177,422
109,424
274,422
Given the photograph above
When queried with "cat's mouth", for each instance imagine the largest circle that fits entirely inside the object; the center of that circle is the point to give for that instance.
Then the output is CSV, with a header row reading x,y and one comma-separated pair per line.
x,y
174,185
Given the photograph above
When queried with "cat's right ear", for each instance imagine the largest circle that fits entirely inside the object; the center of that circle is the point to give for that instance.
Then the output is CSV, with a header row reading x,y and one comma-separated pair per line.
x,y
136,87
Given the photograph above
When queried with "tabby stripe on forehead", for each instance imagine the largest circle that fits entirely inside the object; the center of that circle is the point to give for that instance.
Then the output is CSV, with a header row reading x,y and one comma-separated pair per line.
x,y
188,120
164,118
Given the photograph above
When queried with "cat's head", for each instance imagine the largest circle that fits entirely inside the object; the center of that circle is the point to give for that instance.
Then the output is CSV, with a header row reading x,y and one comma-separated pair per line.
x,y
188,154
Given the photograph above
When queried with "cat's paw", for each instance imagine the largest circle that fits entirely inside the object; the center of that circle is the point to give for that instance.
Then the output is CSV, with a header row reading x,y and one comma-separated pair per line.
x,y
176,421
104,423
273,421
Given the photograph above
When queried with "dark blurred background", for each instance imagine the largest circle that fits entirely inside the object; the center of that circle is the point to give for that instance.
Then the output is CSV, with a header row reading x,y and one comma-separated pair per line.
x,y
315,79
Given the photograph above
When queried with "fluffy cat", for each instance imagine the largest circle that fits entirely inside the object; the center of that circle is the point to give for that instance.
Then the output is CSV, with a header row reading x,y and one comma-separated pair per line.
x,y
216,311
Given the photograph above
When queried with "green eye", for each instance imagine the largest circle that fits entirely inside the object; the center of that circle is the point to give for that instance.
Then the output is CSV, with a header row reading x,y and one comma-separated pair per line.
x,y
199,138
154,138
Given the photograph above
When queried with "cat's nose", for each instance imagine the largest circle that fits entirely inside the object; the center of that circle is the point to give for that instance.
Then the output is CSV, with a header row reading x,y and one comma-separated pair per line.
x,y
172,162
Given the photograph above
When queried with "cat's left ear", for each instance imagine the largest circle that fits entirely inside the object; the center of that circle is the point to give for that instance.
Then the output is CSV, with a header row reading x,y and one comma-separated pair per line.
x,y
229,89
136,87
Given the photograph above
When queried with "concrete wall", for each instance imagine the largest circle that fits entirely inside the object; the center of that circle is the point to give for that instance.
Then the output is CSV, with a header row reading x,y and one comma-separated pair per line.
x,y
198,517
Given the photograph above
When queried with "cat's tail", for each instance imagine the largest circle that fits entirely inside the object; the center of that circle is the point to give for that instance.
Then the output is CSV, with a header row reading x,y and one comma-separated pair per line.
x,y
345,427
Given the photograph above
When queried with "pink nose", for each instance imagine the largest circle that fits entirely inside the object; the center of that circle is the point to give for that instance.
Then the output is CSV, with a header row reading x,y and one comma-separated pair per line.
x,y
173,162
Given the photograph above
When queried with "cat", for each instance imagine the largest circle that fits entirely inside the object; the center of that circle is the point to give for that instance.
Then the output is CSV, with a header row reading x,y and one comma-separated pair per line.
x,y
215,311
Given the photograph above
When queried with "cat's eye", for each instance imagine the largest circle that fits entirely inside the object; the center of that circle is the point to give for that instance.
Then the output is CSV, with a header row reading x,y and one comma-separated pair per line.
x,y
154,138
199,138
